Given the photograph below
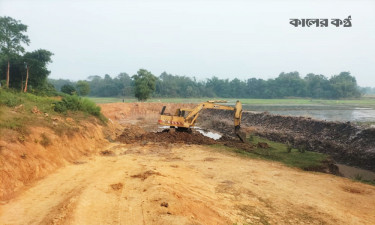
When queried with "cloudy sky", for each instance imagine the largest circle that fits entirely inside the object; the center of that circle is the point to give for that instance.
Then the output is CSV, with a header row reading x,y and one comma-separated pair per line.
x,y
204,38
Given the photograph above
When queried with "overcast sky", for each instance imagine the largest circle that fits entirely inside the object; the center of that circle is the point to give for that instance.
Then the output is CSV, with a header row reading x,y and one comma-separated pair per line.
x,y
227,39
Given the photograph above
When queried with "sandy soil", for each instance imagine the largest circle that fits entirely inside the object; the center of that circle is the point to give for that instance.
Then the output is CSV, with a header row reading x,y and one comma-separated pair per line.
x,y
23,162
174,184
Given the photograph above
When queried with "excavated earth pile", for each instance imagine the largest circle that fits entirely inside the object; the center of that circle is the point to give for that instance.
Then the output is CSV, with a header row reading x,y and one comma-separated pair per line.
x,y
345,142
135,134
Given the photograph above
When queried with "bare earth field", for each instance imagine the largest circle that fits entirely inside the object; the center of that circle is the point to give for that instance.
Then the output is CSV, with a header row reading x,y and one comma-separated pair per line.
x,y
166,183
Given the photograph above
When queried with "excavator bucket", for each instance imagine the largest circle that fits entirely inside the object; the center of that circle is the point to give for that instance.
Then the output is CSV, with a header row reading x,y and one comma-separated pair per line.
x,y
241,135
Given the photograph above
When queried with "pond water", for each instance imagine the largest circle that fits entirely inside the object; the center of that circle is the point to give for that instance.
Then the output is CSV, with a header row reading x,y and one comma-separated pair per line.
x,y
353,172
321,112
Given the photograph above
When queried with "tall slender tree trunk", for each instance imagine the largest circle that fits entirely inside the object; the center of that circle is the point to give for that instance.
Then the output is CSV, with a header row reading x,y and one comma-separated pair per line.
x,y
27,78
8,75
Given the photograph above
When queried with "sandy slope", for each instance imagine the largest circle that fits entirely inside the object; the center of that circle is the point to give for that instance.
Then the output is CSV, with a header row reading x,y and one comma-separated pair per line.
x,y
201,186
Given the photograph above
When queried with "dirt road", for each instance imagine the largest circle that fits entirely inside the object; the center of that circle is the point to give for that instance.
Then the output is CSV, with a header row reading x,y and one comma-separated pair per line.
x,y
187,184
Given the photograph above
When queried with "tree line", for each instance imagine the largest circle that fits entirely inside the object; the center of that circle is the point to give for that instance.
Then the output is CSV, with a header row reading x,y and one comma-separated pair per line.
x,y
342,85
368,90
28,71
20,69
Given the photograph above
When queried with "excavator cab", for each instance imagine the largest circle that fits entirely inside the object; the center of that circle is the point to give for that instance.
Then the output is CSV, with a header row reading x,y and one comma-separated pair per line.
x,y
184,119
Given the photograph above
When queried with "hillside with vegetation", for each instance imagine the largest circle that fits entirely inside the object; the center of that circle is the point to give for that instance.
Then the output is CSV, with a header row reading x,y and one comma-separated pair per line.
x,y
40,129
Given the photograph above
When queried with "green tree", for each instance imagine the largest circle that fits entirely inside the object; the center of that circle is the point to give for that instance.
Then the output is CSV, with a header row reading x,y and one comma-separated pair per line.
x,y
83,88
125,84
344,86
256,88
317,86
37,62
59,83
95,83
68,89
144,84
11,39
238,88
106,87
290,84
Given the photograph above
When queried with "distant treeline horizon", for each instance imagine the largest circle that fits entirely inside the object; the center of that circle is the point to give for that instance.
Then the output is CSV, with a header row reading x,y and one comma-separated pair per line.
x,y
291,84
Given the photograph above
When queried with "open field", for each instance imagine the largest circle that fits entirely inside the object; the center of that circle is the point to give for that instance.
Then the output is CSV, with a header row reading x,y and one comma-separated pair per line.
x,y
363,102
355,110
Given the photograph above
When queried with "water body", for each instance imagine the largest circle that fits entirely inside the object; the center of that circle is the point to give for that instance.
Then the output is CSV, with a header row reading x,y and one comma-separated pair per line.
x,y
353,172
321,112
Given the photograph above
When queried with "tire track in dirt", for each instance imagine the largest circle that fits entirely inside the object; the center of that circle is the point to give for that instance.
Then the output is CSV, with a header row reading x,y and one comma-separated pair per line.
x,y
62,212
157,184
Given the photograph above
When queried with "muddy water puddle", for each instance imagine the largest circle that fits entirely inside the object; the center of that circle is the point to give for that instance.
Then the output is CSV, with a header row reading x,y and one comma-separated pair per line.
x,y
210,134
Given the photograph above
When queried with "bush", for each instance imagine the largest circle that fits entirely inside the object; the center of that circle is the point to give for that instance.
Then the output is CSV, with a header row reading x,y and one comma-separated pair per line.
x,y
288,147
72,103
47,89
68,89
75,103
9,98
301,149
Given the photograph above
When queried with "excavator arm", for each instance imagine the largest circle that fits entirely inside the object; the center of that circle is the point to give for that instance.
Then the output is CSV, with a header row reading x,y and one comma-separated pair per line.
x,y
193,115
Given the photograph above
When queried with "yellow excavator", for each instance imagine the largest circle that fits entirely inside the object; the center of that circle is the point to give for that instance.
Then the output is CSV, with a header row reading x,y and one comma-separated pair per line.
x,y
184,119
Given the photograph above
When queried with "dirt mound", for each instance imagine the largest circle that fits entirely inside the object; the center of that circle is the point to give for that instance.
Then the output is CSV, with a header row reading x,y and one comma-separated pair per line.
x,y
131,134
233,142
345,142
135,134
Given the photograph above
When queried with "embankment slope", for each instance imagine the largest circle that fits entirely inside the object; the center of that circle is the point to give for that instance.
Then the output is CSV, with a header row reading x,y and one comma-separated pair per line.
x,y
42,152
345,142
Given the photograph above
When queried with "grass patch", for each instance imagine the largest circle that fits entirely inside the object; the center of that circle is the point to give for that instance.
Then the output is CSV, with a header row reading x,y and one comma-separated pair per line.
x,y
11,98
49,105
15,123
359,178
279,152
100,100
20,111
75,103
362,102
